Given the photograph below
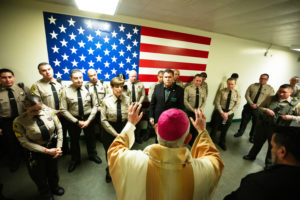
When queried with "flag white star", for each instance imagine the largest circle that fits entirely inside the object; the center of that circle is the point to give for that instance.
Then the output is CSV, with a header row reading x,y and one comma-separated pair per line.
x,y
106,52
121,40
128,47
71,22
98,32
114,34
128,59
63,43
56,62
73,50
135,43
66,70
121,53
122,28
113,71
127,71
53,35
83,70
121,64
135,30
114,59
52,20
82,57
62,28
107,76
89,24
81,44
91,63
58,75
65,56
74,63
98,71
55,49
91,51
106,64
106,39
134,66
72,36
81,30
98,58
134,54
98,45
114,46
128,35
90,38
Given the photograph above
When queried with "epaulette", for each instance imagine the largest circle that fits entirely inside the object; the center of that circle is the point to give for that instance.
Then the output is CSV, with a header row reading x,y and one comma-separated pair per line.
x,y
101,81
21,85
58,80
87,86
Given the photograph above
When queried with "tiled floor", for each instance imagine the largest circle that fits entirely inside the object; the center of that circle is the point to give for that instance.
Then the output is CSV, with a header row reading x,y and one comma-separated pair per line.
x,y
87,182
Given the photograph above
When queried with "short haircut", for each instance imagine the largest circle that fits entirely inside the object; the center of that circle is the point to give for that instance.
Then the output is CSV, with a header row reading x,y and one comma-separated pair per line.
x,y
296,77
160,72
32,100
169,71
42,64
286,86
289,137
5,70
203,74
75,71
198,75
265,75
230,79
234,75
117,81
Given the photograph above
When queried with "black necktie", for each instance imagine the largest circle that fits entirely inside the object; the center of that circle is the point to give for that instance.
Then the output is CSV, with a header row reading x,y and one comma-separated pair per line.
x,y
133,93
43,128
80,104
197,98
228,101
257,95
55,96
96,91
119,111
13,103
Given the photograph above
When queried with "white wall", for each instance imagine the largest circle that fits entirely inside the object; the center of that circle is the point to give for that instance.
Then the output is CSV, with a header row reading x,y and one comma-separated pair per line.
x,y
23,46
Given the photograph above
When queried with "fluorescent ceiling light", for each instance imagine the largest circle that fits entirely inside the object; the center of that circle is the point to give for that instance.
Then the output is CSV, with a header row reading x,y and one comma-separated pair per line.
x,y
98,6
295,47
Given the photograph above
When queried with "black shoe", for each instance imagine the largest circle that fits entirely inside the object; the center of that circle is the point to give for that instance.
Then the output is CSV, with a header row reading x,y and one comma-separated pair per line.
x,y
58,191
248,157
72,166
238,134
107,177
96,159
251,140
223,146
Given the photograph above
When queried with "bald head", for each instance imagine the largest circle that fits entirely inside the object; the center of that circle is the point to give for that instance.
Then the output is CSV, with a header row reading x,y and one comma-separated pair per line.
x,y
132,76
176,74
92,74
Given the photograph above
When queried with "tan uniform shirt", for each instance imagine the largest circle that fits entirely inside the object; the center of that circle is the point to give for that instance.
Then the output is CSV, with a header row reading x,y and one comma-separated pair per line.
x,y
190,97
221,100
205,87
109,112
179,83
43,89
252,90
19,93
296,91
151,90
101,91
139,91
28,132
69,104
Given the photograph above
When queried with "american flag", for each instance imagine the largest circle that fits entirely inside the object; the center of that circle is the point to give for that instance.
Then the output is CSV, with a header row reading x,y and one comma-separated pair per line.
x,y
112,48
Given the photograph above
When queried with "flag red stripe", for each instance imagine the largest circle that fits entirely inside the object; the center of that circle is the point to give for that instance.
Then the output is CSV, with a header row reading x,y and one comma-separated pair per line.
x,y
153,78
171,65
154,32
173,50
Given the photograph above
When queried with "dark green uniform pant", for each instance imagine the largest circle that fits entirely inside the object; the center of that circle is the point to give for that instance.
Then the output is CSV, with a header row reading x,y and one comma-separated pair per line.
x,y
89,132
64,124
43,171
217,124
248,113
